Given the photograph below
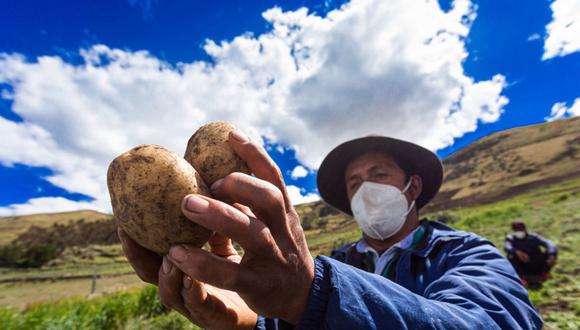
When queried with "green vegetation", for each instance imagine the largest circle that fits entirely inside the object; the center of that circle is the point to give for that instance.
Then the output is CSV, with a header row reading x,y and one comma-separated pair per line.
x,y
27,257
552,211
136,309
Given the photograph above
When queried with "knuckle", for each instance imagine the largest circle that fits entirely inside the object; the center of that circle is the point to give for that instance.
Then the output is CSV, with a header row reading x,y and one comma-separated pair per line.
x,y
273,196
277,171
235,177
229,181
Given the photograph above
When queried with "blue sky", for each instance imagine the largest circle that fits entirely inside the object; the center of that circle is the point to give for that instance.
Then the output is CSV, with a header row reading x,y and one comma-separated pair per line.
x,y
505,38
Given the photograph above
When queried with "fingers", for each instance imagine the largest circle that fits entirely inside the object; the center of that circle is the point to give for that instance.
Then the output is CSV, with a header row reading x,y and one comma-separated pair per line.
x,y
195,299
170,287
206,309
259,162
146,263
263,198
222,246
218,216
206,267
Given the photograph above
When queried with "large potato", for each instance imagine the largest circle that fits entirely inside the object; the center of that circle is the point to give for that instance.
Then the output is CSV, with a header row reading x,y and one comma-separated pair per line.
x,y
147,184
209,151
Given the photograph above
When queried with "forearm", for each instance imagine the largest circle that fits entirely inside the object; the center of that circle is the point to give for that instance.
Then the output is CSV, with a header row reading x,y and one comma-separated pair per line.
x,y
508,247
344,297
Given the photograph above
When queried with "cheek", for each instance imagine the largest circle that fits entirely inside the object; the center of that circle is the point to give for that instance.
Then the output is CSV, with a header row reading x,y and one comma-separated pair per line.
x,y
349,194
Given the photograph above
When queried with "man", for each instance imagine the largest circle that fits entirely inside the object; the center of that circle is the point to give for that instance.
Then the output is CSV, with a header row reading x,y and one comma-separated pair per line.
x,y
531,255
430,275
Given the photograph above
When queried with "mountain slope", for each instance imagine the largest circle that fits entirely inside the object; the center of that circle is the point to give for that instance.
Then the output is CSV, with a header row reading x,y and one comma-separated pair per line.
x,y
12,227
510,162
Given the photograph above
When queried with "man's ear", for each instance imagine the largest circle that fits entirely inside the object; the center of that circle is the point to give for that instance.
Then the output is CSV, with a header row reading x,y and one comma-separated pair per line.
x,y
416,187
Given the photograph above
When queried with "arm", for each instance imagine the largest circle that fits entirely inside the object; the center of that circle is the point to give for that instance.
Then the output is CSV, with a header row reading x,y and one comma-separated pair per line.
x,y
551,248
508,246
479,291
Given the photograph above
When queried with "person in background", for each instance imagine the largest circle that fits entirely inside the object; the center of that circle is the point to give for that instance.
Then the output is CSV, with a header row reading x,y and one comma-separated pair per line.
x,y
531,255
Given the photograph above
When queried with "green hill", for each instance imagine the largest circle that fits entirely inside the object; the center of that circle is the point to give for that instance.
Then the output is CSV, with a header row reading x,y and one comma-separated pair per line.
x,y
12,227
511,162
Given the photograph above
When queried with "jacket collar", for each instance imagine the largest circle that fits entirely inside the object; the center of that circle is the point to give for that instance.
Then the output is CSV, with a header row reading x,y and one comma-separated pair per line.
x,y
436,233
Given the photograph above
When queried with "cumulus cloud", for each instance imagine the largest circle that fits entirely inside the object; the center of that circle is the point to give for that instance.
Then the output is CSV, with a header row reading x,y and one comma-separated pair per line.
x,y
299,172
297,195
310,83
561,110
563,32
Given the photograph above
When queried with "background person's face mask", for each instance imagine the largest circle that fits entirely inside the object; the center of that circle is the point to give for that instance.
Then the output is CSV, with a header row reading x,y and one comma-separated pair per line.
x,y
380,209
520,234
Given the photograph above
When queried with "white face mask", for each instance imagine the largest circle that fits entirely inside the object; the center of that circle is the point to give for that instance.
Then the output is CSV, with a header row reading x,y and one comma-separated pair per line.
x,y
380,209
520,234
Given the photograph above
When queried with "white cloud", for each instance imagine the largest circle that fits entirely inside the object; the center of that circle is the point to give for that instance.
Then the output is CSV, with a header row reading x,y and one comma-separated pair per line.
x,y
299,172
46,205
563,32
535,36
297,197
386,67
560,110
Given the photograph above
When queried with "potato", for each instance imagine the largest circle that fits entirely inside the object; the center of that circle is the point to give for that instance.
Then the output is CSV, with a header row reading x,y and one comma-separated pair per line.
x,y
147,184
209,151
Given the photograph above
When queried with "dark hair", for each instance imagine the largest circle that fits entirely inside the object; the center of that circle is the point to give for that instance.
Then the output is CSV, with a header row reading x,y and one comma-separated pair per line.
x,y
518,226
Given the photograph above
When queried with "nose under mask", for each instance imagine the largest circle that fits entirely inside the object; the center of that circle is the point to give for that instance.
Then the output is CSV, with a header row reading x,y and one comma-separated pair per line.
x,y
380,209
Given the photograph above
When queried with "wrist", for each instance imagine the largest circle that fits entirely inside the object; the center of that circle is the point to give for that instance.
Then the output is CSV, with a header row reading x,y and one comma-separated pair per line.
x,y
315,308
301,302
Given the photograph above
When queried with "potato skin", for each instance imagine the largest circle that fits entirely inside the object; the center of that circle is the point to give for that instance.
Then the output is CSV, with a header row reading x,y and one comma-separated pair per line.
x,y
209,151
146,185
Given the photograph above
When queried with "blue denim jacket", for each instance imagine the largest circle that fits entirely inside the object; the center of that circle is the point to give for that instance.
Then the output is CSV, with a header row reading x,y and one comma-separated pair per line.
x,y
464,283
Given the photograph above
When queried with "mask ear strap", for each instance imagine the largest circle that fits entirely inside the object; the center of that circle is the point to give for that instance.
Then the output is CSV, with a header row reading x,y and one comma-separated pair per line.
x,y
410,208
408,184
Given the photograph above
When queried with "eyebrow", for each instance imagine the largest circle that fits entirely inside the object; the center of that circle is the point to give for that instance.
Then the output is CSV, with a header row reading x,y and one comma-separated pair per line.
x,y
373,169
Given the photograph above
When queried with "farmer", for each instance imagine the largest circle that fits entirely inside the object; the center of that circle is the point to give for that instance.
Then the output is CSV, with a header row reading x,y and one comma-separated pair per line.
x,y
531,255
427,275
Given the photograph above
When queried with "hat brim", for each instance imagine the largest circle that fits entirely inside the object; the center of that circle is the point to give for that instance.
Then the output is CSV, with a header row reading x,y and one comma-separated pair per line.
x,y
331,174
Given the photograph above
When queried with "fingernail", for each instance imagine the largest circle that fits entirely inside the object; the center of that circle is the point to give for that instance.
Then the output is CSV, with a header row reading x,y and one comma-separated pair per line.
x,y
239,136
178,253
196,204
186,282
217,184
166,265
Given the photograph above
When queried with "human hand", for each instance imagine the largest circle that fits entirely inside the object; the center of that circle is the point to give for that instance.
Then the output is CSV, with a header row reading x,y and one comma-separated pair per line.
x,y
551,261
201,303
522,256
205,305
276,271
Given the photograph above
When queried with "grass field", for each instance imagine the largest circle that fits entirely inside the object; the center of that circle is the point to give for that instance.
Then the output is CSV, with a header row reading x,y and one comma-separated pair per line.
x,y
553,211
